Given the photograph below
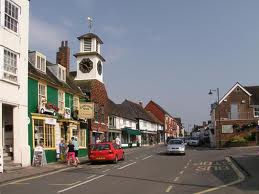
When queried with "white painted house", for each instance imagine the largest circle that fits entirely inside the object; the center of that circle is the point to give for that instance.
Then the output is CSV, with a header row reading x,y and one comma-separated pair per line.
x,y
14,24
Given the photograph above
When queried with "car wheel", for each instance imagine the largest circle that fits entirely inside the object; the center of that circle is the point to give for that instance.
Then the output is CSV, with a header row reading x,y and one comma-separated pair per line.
x,y
123,157
115,160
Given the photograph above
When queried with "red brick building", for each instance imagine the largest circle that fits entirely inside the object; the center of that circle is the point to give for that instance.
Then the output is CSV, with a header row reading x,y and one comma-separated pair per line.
x,y
237,114
170,124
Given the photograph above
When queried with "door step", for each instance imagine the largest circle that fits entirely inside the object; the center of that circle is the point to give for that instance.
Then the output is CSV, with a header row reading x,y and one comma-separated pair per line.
x,y
12,166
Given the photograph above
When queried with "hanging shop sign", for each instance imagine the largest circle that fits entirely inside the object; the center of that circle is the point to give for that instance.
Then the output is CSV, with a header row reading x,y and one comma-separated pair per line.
x,y
86,110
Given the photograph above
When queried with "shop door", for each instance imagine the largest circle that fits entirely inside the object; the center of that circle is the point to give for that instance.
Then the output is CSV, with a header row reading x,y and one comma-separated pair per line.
x,y
8,129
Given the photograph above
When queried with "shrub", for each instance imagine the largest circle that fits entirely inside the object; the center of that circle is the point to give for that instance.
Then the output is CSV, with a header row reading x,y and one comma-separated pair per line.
x,y
238,139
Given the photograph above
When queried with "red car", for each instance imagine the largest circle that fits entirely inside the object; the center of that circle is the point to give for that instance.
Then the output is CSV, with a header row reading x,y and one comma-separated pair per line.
x,y
106,152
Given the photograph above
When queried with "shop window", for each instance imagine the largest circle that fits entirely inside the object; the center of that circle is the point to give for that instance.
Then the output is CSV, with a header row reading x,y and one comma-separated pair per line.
x,y
44,134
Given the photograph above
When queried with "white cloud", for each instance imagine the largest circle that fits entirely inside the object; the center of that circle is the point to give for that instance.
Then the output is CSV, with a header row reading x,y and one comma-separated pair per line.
x,y
45,36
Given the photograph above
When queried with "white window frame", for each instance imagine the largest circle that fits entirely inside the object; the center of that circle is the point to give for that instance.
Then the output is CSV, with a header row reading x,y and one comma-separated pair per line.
x,y
256,112
41,95
13,16
61,73
10,65
41,64
61,101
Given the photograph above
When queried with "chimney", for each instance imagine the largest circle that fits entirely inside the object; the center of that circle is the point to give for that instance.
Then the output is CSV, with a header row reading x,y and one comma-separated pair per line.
x,y
63,55
140,103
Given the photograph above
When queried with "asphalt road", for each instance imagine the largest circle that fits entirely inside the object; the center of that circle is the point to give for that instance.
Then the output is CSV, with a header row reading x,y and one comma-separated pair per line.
x,y
145,171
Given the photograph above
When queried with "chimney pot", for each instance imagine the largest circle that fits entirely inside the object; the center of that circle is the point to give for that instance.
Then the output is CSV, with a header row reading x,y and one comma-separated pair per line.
x,y
62,43
66,44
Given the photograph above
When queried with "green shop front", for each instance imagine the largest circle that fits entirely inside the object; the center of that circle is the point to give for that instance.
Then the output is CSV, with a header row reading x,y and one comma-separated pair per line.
x,y
130,137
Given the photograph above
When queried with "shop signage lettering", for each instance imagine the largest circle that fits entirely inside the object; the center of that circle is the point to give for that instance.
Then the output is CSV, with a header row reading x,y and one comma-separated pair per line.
x,y
86,110
50,121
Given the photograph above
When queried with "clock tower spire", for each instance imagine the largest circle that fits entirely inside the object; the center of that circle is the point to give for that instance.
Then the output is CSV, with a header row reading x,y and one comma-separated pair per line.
x,y
89,59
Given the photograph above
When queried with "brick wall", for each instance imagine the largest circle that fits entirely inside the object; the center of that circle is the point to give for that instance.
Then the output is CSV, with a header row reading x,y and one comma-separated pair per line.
x,y
63,56
151,106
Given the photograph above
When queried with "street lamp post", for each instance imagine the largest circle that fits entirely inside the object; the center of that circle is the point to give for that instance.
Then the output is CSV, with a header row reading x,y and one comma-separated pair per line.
x,y
219,130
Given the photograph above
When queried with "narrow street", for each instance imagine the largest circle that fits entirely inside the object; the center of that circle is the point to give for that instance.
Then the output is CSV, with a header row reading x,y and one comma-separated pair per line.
x,y
148,171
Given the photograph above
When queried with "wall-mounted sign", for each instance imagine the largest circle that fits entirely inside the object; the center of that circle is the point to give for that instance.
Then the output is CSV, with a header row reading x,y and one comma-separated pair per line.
x,y
227,129
50,121
67,114
86,110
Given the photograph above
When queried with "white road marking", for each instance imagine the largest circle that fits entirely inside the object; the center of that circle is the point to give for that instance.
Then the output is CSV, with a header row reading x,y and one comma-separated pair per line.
x,y
20,183
91,176
169,189
66,184
176,179
69,188
127,165
147,157
182,172
106,170
38,176
98,167
241,178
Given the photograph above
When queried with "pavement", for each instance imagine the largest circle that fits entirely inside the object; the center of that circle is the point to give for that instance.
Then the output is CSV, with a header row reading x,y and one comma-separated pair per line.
x,y
149,170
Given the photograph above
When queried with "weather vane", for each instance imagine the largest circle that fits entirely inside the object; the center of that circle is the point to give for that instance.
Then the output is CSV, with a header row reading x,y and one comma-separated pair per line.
x,y
90,23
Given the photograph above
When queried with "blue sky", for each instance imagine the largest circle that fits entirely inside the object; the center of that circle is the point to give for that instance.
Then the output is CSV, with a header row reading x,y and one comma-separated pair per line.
x,y
169,51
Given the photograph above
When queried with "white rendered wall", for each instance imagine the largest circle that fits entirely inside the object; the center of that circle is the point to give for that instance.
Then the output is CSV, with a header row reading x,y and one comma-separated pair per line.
x,y
16,94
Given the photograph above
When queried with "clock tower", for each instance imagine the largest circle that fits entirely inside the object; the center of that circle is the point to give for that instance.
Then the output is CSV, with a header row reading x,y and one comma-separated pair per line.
x,y
89,60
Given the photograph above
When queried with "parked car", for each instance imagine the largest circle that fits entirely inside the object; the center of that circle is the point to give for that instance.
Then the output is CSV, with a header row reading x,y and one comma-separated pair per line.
x,y
176,146
194,141
106,152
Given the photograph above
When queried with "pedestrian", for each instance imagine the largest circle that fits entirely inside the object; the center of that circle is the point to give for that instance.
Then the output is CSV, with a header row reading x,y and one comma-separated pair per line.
x,y
62,149
71,153
98,140
76,148
118,141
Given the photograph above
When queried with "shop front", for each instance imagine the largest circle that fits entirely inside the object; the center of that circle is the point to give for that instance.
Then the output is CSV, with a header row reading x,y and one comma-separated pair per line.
x,y
148,137
48,131
113,133
130,137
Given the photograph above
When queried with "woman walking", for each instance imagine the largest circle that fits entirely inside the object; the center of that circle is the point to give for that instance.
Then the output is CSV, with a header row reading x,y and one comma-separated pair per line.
x,y
71,153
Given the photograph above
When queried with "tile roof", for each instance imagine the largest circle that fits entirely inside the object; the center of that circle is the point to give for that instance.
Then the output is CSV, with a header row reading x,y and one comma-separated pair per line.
x,y
254,90
163,110
138,111
52,79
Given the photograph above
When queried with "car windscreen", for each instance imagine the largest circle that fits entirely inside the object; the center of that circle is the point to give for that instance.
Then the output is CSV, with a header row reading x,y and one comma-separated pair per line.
x,y
175,141
195,138
98,147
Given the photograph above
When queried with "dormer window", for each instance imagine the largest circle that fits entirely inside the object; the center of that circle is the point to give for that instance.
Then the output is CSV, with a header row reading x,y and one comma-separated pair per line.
x,y
61,73
41,63
87,44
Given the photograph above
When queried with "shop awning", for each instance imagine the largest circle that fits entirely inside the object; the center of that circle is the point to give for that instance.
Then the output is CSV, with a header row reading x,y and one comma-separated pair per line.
x,y
131,131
